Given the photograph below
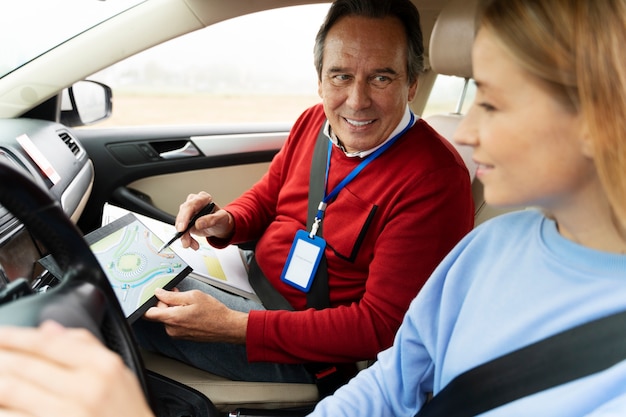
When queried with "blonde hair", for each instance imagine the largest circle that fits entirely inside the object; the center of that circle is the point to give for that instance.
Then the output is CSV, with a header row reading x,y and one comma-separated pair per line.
x,y
577,48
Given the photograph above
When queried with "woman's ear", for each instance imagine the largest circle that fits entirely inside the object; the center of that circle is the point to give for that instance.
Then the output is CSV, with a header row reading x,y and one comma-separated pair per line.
x,y
586,142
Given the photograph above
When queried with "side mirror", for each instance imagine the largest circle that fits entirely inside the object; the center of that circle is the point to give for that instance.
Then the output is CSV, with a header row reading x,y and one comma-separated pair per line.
x,y
86,102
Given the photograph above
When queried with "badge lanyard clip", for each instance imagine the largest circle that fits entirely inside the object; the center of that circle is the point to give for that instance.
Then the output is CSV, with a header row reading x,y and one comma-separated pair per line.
x,y
318,219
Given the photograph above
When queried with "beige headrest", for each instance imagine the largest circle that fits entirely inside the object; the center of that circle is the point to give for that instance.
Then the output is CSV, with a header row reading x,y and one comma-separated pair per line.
x,y
450,51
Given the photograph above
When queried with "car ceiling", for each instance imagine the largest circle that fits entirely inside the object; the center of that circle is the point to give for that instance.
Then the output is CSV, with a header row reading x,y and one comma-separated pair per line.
x,y
145,25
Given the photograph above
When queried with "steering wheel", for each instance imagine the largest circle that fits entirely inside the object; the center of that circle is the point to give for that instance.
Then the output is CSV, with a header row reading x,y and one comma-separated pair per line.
x,y
83,298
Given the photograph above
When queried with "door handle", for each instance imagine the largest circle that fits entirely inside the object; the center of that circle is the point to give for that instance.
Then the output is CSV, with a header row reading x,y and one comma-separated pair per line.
x,y
186,151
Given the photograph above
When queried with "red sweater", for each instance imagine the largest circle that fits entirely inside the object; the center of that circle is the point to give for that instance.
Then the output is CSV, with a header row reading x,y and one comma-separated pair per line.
x,y
385,233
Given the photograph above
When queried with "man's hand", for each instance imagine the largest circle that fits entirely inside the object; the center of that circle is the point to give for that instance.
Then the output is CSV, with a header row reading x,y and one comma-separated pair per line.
x,y
218,224
52,371
194,315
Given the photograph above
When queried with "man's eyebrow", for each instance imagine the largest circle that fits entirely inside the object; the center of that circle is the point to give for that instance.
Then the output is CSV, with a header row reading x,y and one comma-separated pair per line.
x,y
335,70
385,70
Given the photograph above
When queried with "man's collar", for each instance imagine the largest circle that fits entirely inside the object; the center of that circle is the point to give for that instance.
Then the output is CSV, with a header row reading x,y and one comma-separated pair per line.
x,y
362,154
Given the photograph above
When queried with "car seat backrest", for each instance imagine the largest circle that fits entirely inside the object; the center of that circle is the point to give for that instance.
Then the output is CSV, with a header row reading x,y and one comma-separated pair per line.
x,y
450,53
450,50
445,125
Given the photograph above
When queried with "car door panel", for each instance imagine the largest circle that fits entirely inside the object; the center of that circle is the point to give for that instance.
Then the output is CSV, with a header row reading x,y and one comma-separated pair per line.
x,y
151,170
225,184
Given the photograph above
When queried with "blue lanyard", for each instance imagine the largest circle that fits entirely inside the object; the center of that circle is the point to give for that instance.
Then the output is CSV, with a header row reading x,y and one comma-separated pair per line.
x,y
365,162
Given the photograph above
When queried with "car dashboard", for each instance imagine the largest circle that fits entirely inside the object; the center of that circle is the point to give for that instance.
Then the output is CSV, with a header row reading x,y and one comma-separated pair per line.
x,y
49,153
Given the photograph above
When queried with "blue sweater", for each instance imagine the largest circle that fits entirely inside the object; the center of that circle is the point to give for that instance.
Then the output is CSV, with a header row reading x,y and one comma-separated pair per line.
x,y
512,281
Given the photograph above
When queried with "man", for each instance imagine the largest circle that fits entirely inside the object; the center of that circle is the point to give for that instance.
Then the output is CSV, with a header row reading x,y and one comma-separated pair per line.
x,y
395,199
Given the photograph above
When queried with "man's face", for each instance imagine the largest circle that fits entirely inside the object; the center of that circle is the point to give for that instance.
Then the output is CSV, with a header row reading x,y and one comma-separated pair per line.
x,y
364,83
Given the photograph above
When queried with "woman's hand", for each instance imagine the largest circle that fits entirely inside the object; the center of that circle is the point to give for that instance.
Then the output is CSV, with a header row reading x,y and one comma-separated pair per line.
x,y
52,371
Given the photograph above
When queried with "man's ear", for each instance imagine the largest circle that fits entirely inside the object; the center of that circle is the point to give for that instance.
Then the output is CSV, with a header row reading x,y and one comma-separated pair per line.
x,y
412,90
319,89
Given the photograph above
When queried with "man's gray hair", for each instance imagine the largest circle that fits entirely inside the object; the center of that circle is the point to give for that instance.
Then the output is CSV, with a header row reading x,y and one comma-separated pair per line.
x,y
404,10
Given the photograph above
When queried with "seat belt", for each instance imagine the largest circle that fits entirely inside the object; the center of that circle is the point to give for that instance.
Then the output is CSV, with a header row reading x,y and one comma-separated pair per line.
x,y
581,351
318,296
327,376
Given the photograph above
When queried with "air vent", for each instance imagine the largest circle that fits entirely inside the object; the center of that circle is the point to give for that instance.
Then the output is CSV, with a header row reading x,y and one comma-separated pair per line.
x,y
8,223
70,142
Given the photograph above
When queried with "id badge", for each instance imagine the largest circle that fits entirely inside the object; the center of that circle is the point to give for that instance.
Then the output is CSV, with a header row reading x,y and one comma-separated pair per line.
x,y
303,260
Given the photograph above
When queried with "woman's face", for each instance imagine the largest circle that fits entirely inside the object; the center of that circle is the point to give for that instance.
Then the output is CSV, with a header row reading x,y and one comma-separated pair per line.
x,y
530,149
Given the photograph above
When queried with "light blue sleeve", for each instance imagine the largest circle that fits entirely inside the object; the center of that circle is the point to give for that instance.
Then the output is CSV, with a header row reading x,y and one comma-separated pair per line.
x,y
398,383
614,408
395,385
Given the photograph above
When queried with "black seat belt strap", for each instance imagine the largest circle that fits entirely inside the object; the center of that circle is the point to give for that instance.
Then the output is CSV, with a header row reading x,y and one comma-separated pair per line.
x,y
327,377
318,296
269,296
572,354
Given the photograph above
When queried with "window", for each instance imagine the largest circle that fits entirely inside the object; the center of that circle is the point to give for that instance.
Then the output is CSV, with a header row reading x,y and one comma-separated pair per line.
x,y
446,94
254,68
21,28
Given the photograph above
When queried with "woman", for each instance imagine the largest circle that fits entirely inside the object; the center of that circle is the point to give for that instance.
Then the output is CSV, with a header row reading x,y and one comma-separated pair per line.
x,y
52,371
548,132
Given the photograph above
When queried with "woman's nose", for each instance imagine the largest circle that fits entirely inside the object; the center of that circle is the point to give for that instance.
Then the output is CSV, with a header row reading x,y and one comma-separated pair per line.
x,y
467,131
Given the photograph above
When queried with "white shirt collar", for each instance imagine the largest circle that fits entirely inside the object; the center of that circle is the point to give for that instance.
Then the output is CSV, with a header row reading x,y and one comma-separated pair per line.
x,y
362,154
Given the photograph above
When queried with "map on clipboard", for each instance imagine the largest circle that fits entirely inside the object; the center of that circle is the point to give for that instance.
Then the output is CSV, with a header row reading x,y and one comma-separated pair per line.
x,y
223,268
127,252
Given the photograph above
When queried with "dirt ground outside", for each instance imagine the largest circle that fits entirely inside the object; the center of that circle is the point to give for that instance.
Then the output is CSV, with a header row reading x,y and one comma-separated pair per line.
x,y
135,110
142,110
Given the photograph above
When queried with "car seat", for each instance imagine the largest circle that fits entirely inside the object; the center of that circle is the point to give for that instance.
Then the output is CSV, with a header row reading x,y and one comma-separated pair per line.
x,y
451,54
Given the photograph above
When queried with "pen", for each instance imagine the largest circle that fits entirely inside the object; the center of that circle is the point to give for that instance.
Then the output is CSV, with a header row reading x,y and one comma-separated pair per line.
x,y
208,209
